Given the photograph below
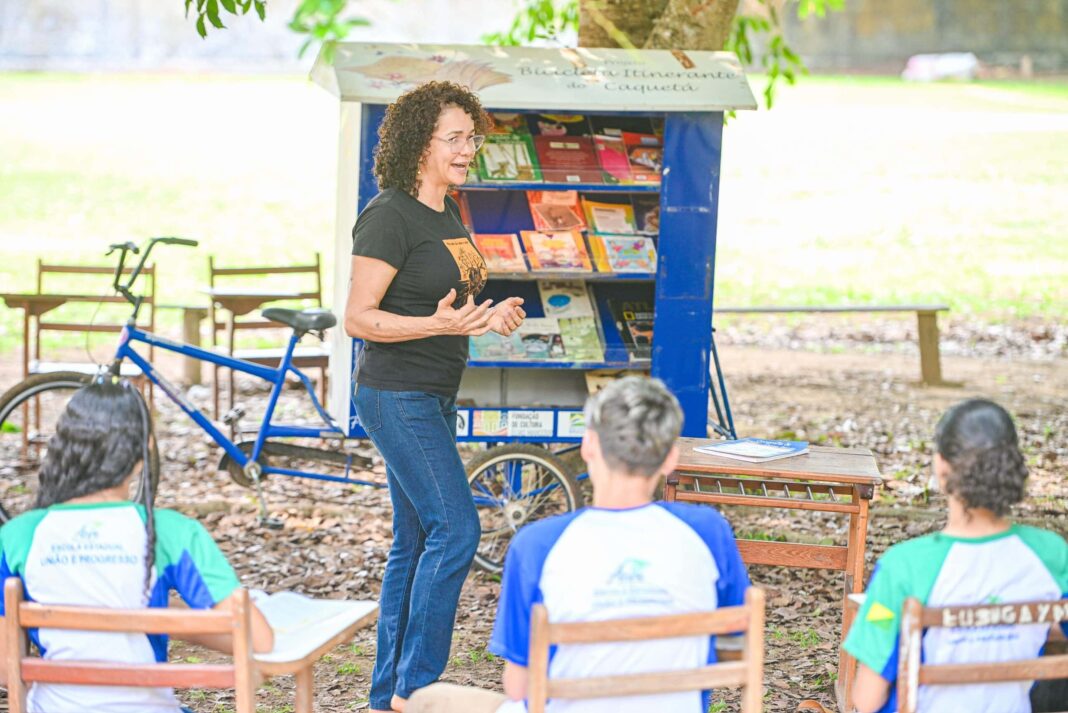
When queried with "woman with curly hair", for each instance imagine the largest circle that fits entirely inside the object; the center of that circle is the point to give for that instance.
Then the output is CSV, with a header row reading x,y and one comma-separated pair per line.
x,y
415,276
980,556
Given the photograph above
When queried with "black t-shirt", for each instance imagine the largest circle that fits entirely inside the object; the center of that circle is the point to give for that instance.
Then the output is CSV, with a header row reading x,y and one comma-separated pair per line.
x,y
433,253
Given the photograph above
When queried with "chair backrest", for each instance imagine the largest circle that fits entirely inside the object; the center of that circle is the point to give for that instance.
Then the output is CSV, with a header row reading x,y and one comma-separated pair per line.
x,y
912,673
22,670
748,672
309,289
57,279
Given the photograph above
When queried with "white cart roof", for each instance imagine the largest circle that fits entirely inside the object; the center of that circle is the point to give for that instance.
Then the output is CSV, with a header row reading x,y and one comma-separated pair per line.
x,y
541,78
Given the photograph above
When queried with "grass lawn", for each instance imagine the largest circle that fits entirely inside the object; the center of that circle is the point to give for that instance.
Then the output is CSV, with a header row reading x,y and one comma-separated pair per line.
x,y
850,190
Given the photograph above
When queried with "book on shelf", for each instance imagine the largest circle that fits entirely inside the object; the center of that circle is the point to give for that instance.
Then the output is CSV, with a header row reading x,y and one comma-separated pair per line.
x,y
465,209
541,339
556,210
568,159
630,253
597,379
565,298
634,320
508,157
501,251
507,123
606,217
495,347
558,124
581,339
598,253
646,213
563,250
645,152
612,157
755,450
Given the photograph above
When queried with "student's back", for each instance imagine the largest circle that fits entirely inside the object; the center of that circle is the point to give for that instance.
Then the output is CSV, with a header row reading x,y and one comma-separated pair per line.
x,y
980,557
93,555
598,564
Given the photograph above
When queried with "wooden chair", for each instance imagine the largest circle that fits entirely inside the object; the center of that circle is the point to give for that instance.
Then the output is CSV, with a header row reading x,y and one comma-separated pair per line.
x,y
49,279
22,670
748,672
225,314
913,673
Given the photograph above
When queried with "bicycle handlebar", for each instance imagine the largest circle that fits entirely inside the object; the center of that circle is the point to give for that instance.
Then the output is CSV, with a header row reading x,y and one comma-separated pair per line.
x,y
129,247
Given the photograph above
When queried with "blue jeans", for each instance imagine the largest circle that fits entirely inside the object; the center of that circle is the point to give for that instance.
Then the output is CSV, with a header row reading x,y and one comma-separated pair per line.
x,y
435,535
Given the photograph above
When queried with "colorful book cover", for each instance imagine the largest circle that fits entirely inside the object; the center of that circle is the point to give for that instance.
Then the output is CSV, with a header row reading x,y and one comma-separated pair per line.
x,y
540,338
755,450
565,298
494,347
581,340
508,157
558,125
646,155
612,156
507,123
465,210
617,218
501,251
630,253
556,210
559,250
634,320
598,253
568,159
646,213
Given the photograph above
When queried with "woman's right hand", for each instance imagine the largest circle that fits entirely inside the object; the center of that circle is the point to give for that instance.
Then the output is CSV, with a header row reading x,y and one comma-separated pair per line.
x,y
469,321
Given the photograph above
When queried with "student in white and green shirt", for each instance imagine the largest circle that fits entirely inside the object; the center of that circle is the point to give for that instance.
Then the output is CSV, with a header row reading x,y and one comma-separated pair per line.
x,y
87,545
979,557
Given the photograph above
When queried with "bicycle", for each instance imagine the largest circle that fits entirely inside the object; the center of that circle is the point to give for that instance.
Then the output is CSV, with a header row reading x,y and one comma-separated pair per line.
x,y
511,484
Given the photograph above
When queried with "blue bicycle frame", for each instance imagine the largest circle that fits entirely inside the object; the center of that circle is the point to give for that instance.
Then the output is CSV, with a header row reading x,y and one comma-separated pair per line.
x,y
276,376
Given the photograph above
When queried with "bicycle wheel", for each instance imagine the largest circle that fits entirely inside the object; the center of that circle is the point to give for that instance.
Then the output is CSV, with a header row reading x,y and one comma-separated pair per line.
x,y
29,412
513,485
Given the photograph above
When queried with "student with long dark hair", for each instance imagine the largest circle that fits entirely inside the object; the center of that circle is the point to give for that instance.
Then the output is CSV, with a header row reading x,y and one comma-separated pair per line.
x,y
86,544
980,556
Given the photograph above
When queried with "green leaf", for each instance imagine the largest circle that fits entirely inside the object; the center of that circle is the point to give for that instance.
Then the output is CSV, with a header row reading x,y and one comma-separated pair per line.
x,y
230,6
213,14
201,30
261,9
188,4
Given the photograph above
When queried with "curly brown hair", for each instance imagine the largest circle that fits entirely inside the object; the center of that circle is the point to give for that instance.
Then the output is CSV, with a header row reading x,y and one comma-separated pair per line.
x,y
404,135
978,440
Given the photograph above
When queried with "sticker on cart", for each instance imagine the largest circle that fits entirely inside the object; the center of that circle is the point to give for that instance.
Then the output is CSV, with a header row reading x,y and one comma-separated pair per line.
x,y
463,423
570,424
489,423
536,424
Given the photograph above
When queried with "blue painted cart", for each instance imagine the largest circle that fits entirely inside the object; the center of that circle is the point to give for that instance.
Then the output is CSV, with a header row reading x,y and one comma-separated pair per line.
x,y
518,408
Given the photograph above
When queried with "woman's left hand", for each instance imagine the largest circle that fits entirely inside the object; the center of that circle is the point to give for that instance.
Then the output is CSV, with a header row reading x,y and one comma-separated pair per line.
x,y
506,317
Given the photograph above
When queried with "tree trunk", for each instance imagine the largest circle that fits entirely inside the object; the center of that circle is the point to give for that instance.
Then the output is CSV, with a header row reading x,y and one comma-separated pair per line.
x,y
657,24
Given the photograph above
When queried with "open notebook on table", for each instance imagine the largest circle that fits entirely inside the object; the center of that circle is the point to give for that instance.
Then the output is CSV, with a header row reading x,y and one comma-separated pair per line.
x,y
303,625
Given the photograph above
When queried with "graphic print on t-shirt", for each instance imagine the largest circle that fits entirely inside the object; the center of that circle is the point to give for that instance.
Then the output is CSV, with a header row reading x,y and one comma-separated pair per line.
x,y
473,273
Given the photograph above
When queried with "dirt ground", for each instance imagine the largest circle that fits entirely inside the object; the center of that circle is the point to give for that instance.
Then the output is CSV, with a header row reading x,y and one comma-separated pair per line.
x,y
335,538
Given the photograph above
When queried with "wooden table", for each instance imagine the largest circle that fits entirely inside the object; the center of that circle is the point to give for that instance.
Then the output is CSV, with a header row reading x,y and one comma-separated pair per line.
x,y
836,480
32,306
304,631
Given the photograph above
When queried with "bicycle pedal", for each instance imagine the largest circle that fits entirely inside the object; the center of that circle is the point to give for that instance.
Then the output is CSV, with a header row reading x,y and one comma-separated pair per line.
x,y
271,523
233,415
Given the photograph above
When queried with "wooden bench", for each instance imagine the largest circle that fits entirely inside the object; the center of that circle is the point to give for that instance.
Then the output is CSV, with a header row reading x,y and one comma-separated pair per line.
x,y
926,322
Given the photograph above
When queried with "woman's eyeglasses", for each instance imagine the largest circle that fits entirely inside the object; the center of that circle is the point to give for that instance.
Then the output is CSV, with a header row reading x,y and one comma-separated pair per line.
x,y
456,143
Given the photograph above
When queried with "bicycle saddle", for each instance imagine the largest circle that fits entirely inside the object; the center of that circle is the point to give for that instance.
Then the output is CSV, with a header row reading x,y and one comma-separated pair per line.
x,y
303,321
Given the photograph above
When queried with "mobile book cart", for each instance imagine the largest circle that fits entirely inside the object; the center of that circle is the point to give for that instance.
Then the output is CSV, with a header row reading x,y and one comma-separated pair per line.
x,y
517,408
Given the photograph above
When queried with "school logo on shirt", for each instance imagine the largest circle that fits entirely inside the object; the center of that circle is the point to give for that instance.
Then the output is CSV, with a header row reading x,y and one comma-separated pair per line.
x,y
472,267
629,571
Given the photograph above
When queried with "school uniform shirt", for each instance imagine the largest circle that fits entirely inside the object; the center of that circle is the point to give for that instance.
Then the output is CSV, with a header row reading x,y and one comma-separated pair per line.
x,y
94,555
432,253
1022,564
596,564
